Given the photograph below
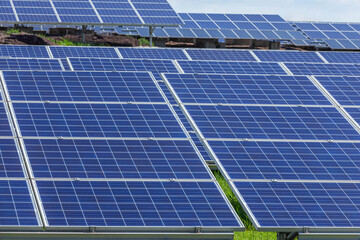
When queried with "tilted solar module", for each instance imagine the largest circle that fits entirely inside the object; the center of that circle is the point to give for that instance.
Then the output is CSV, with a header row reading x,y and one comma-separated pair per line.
x,y
96,120
17,51
288,56
345,90
324,69
135,204
221,55
309,161
341,57
30,64
271,122
10,161
115,159
355,113
82,86
153,53
5,129
86,52
245,89
231,67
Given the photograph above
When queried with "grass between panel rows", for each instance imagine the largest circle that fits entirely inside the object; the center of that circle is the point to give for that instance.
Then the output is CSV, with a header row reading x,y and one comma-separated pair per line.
x,y
250,233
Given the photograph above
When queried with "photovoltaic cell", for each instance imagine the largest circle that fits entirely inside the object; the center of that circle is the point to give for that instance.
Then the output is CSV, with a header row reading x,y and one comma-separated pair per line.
x,y
5,129
221,55
18,51
324,69
231,67
288,56
254,122
10,163
86,52
153,53
246,89
29,64
114,159
289,160
355,113
135,204
96,120
296,204
17,208
346,90
341,57
82,86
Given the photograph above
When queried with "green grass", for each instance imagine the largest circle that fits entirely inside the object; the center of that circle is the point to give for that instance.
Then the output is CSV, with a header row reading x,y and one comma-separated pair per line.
x,y
11,31
250,233
67,42
144,42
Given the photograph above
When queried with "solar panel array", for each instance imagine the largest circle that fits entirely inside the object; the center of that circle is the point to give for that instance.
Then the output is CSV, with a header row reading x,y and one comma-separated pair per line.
x,y
90,12
119,137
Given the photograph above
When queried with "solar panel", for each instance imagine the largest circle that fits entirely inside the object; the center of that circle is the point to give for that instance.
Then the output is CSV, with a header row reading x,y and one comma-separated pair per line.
x,y
296,204
90,12
96,120
246,89
346,90
324,69
153,53
270,122
18,51
135,204
221,55
10,162
102,64
17,208
231,67
29,64
82,86
5,129
288,56
309,161
86,52
129,159
355,113
334,44
341,57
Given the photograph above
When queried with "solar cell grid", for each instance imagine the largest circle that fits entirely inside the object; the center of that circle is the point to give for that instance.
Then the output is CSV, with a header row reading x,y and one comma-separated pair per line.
x,y
221,55
324,69
255,122
29,64
82,86
86,52
289,160
152,53
5,129
341,57
136,204
10,162
355,113
231,67
96,120
246,89
23,51
346,90
114,159
288,56
286,204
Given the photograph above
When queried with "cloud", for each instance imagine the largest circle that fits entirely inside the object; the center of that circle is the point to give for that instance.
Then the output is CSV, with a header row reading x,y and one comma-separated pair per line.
x,y
294,10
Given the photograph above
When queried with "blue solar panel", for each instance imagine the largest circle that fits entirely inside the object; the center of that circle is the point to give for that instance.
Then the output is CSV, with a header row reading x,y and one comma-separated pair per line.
x,y
96,120
65,64
231,67
346,90
82,86
5,129
221,55
288,56
246,89
153,53
323,69
114,159
23,51
341,57
9,160
154,66
255,122
355,113
296,204
289,160
29,64
17,208
88,52
135,204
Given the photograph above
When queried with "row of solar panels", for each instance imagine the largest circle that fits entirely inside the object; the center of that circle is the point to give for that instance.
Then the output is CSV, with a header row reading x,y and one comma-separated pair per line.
x,y
88,12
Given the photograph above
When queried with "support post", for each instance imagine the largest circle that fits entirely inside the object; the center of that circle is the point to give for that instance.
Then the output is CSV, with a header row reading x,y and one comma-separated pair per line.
x,y
287,236
83,28
151,32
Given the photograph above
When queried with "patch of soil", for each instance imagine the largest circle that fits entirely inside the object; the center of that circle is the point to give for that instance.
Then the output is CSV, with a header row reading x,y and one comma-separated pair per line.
x,y
110,40
23,39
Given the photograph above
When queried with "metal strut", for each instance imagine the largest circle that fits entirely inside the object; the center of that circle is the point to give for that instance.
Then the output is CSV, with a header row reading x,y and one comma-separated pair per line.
x,y
83,32
151,32
287,236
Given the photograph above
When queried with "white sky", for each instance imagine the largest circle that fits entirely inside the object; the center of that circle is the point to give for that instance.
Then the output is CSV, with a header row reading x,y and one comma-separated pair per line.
x,y
297,10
